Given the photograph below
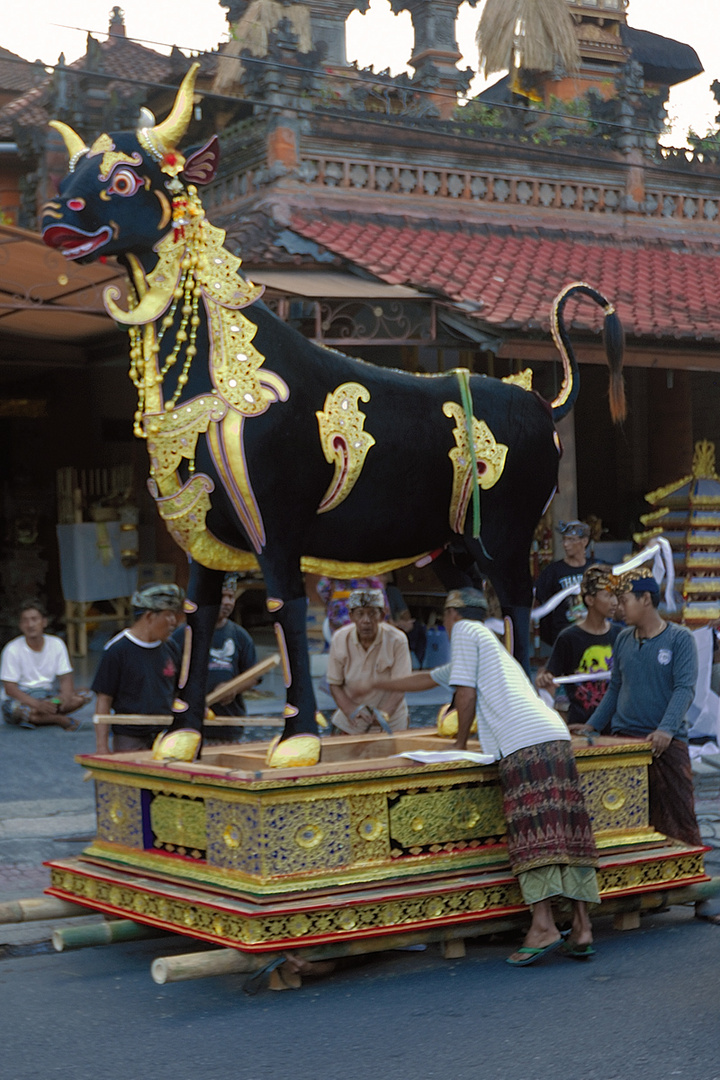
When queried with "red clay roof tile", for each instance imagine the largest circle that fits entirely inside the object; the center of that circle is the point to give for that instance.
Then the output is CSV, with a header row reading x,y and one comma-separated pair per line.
x,y
513,277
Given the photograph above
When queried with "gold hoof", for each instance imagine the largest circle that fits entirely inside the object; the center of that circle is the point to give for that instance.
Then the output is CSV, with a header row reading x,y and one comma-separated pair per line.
x,y
297,750
447,723
182,745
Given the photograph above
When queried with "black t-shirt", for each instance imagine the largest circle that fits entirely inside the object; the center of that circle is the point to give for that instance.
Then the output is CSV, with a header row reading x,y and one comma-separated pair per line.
x,y
232,651
578,651
553,579
140,678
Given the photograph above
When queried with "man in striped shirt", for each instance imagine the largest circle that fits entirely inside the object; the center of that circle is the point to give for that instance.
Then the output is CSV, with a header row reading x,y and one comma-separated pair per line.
x,y
550,843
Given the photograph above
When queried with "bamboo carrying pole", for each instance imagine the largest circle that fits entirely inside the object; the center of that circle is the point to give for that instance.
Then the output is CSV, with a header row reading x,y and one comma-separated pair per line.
x,y
199,965
142,720
102,933
37,908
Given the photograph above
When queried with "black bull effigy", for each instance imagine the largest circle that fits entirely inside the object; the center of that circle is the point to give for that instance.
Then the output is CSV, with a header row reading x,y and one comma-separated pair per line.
x,y
268,449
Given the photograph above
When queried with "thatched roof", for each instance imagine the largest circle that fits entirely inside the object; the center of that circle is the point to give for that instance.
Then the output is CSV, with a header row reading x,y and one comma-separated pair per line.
x,y
252,33
664,60
536,35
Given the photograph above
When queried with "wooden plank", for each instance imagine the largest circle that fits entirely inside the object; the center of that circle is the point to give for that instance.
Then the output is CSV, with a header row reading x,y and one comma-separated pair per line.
x,y
245,679
140,720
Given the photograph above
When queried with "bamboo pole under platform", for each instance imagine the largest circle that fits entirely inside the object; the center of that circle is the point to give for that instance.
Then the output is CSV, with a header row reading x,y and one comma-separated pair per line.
x,y
200,965
102,933
39,908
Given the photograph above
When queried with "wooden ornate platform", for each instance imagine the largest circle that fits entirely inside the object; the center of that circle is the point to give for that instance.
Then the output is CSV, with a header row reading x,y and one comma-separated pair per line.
x,y
364,844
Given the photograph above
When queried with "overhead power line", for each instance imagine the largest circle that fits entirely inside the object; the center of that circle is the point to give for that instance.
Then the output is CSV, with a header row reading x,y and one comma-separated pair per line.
x,y
390,121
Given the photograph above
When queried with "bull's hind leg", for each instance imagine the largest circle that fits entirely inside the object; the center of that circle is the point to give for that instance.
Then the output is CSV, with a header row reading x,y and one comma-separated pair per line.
x,y
516,603
513,585
287,603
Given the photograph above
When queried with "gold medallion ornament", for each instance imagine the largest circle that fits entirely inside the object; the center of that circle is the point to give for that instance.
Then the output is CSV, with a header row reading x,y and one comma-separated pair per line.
x,y
191,269
490,456
343,440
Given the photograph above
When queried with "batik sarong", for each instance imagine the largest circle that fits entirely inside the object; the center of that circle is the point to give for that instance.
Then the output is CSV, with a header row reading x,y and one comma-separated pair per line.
x,y
547,823
671,795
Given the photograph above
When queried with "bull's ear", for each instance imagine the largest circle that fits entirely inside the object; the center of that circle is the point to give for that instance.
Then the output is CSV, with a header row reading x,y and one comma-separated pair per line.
x,y
201,165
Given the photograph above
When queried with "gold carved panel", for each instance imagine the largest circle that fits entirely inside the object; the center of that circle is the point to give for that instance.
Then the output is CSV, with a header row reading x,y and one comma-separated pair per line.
x,y
442,817
616,798
179,823
119,814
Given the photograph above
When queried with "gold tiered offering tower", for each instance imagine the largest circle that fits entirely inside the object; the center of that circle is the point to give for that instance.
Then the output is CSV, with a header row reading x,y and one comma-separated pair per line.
x,y
687,514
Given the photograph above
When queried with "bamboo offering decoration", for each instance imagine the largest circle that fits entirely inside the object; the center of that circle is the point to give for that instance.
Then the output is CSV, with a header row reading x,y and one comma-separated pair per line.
x,y
534,35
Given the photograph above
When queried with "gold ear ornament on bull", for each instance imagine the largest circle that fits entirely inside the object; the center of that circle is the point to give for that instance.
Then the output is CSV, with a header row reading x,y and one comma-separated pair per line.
x,y
161,140
74,144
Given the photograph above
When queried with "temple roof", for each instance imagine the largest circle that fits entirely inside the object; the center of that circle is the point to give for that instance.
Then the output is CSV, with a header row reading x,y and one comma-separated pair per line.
x,y
507,277
133,65
16,73
664,60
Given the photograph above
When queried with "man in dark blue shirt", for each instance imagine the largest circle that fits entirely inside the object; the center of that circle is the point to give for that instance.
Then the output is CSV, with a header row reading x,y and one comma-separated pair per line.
x,y
559,575
138,669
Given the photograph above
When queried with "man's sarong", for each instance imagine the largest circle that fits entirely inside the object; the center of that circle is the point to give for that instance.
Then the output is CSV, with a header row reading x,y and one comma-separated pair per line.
x,y
672,799
546,817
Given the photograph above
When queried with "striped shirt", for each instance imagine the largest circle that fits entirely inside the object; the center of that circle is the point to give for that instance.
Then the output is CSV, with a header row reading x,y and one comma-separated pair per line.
x,y
510,715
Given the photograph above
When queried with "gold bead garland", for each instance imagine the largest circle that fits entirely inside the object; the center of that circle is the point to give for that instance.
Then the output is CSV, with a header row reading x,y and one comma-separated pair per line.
x,y
144,347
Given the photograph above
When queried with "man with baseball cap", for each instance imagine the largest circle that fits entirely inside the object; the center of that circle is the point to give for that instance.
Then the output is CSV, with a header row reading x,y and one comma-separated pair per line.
x,y
654,673
138,669
558,575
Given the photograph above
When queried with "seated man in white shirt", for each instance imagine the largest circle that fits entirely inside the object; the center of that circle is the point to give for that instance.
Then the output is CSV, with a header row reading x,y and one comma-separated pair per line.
x,y
37,677
366,649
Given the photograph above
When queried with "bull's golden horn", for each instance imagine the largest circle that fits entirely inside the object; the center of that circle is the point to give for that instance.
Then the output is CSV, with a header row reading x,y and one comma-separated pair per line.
x,y
73,142
171,130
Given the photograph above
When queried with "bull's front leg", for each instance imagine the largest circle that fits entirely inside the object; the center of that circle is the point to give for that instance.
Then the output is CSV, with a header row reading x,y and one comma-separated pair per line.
x,y
287,603
201,607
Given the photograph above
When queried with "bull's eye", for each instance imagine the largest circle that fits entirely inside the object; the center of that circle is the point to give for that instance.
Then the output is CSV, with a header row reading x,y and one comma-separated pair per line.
x,y
124,182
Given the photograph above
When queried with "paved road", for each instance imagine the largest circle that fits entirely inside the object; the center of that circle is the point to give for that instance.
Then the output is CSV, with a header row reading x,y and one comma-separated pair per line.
x,y
645,1009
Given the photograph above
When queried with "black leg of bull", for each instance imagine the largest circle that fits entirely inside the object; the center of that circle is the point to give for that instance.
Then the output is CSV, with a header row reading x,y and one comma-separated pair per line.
x,y
287,603
201,607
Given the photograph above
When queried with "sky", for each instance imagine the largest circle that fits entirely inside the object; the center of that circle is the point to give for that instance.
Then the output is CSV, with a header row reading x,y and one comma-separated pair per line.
x,y
31,29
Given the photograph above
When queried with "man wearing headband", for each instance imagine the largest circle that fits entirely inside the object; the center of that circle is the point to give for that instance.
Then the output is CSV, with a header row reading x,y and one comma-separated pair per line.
x,y
653,681
138,669
366,649
586,647
335,593
558,575
536,770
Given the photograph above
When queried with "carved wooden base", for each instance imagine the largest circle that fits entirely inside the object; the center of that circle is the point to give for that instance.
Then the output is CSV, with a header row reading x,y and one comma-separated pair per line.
x,y
364,844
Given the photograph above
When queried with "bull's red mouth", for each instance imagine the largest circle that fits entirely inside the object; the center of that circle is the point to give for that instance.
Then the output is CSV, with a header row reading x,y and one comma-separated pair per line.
x,y
75,243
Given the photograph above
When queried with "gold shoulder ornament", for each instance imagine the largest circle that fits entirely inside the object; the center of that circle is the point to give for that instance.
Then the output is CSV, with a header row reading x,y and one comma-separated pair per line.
x,y
343,440
490,456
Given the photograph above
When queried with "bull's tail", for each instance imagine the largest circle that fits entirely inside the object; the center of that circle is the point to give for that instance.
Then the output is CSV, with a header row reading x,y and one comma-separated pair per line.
x,y
614,338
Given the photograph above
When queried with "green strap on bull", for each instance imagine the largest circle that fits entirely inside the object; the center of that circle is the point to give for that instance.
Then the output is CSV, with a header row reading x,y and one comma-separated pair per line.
x,y
463,377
